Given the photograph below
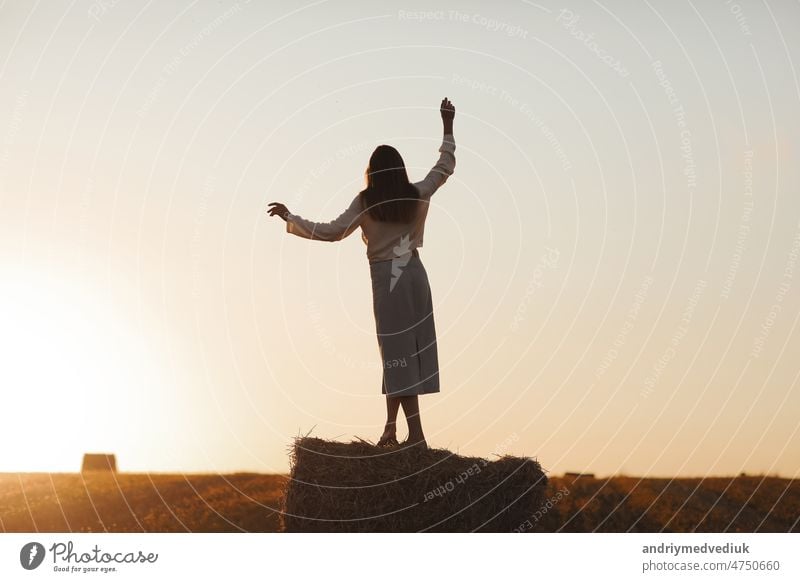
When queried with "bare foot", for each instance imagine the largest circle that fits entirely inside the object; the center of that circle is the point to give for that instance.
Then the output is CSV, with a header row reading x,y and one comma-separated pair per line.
x,y
418,442
388,438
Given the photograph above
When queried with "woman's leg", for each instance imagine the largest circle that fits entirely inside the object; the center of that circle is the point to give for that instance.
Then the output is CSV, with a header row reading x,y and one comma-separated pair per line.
x,y
390,430
411,409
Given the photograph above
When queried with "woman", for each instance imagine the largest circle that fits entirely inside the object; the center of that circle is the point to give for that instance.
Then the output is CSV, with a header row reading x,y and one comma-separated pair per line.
x,y
391,212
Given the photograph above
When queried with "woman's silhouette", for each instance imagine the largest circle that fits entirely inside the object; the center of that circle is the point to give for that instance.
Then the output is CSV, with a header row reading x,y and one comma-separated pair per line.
x,y
391,212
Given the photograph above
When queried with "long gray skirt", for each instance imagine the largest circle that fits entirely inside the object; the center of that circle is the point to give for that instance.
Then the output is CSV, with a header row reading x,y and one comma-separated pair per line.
x,y
401,300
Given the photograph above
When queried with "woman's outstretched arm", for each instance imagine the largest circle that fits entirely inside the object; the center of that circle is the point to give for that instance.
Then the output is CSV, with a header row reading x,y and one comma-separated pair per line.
x,y
337,229
446,164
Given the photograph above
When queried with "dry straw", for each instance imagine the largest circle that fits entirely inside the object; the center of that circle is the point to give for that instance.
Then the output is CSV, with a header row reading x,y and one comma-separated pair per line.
x,y
358,487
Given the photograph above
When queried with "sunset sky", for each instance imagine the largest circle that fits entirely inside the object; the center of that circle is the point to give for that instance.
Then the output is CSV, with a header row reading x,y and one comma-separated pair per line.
x,y
614,264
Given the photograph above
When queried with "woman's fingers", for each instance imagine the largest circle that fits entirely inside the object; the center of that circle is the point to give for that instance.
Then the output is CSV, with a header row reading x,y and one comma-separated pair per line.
x,y
278,209
447,109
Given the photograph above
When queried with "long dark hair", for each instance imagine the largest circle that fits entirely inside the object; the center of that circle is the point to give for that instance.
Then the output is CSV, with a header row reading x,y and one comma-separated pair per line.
x,y
389,196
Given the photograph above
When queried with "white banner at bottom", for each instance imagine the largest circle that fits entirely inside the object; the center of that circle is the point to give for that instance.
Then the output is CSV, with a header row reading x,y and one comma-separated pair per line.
x,y
388,557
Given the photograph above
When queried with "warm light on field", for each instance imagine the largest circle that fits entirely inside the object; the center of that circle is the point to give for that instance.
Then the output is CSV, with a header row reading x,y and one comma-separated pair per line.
x,y
72,376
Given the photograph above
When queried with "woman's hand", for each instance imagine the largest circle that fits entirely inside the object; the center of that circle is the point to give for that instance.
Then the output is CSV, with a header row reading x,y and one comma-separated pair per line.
x,y
278,210
448,113
447,109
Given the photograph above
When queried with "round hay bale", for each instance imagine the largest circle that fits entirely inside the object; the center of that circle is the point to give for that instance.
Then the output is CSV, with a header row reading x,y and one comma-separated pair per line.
x,y
358,487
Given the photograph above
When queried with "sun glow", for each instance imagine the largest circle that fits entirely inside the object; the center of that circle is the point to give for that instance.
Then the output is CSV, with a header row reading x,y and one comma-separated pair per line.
x,y
69,375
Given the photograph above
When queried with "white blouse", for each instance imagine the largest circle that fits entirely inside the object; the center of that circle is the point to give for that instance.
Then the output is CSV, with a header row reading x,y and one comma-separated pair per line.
x,y
384,240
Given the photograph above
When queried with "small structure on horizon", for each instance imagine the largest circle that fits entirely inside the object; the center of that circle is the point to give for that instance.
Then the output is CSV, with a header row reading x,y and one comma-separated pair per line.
x,y
569,475
99,462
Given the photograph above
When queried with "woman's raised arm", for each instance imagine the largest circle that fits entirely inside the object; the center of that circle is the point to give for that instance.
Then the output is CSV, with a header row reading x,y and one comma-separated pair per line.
x,y
446,164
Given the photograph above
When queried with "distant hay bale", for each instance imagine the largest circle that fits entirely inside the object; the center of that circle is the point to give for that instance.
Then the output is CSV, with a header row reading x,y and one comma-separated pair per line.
x,y
573,475
99,462
358,487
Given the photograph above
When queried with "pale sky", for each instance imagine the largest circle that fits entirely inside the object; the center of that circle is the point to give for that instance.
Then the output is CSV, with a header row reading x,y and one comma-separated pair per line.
x,y
614,264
